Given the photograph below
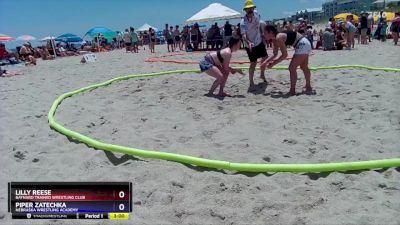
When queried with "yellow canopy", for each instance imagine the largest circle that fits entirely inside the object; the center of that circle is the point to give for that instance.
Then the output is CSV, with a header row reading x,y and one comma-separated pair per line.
x,y
343,16
388,15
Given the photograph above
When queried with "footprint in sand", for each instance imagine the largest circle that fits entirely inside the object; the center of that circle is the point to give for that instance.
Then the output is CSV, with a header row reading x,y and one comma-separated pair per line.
x,y
266,159
39,116
208,134
177,184
197,117
91,125
134,91
290,141
20,155
217,215
141,84
183,139
312,150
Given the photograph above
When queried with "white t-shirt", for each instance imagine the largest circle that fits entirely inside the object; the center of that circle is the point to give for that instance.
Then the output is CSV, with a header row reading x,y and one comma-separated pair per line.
x,y
127,37
252,28
370,21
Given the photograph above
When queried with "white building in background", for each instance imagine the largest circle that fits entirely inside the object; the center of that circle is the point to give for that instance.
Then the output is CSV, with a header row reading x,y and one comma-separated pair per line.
x,y
334,7
380,3
308,14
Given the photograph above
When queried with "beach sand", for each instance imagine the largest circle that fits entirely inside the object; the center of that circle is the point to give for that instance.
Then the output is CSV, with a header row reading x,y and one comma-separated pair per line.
x,y
354,115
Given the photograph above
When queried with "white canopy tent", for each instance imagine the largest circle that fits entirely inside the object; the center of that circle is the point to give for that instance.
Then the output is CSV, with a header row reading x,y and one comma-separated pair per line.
x,y
213,12
146,27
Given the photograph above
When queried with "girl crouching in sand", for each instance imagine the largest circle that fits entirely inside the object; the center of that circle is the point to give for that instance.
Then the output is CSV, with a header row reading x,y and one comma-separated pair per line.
x,y
216,64
302,50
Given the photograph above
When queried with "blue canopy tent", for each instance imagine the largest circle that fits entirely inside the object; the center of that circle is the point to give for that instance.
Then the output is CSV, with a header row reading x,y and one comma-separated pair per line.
x,y
69,38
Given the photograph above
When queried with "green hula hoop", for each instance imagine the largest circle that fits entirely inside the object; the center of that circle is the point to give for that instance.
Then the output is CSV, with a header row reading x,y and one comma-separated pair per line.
x,y
216,164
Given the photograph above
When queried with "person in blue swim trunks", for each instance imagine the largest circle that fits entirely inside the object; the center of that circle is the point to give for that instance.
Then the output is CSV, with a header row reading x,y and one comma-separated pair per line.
x,y
216,64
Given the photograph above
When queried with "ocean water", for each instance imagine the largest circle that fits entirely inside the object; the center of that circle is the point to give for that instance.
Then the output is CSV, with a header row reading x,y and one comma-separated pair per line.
x,y
11,45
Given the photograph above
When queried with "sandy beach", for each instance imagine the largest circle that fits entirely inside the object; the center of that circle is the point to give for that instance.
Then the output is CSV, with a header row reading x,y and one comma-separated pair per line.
x,y
354,115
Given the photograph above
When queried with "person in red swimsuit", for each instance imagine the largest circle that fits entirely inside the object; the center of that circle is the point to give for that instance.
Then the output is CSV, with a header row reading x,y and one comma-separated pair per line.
x,y
5,55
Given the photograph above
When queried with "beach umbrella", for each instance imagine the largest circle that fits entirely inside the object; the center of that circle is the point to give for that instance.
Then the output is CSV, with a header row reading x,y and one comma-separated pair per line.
x,y
389,16
69,38
52,41
26,38
343,16
4,37
48,38
107,33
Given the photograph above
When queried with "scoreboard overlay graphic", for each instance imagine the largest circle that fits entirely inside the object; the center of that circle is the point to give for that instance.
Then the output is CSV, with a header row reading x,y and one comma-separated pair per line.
x,y
70,200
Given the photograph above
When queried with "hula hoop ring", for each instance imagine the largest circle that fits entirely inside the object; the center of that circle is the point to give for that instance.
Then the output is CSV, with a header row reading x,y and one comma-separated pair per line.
x,y
216,164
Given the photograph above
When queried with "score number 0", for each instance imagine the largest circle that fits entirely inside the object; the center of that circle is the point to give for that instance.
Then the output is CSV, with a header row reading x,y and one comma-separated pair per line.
x,y
121,195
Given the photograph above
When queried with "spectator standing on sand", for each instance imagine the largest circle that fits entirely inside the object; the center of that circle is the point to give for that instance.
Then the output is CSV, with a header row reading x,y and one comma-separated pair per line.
x,y
227,32
177,38
185,37
127,40
254,40
135,40
168,34
370,24
396,28
364,28
351,31
153,40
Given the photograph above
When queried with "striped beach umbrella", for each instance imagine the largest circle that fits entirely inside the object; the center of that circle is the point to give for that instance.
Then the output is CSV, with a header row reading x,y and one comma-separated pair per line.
x,y
26,38
4,37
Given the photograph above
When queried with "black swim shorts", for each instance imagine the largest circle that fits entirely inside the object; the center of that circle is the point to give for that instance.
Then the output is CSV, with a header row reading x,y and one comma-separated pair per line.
x,y
257,52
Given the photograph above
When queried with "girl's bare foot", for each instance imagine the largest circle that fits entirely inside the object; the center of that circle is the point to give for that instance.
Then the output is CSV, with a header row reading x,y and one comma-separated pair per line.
x,y
291,92
307,88
223,94
262,77
209,94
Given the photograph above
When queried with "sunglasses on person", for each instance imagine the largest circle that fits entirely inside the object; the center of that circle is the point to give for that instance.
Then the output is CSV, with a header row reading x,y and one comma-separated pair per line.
x,y
249,12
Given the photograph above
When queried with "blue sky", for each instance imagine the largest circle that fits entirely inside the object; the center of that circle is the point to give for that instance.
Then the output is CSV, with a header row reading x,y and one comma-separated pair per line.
x,y
54,17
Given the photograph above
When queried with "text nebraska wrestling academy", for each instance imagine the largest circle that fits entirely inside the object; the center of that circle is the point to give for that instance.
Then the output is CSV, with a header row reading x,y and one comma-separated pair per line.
x,y
43,207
